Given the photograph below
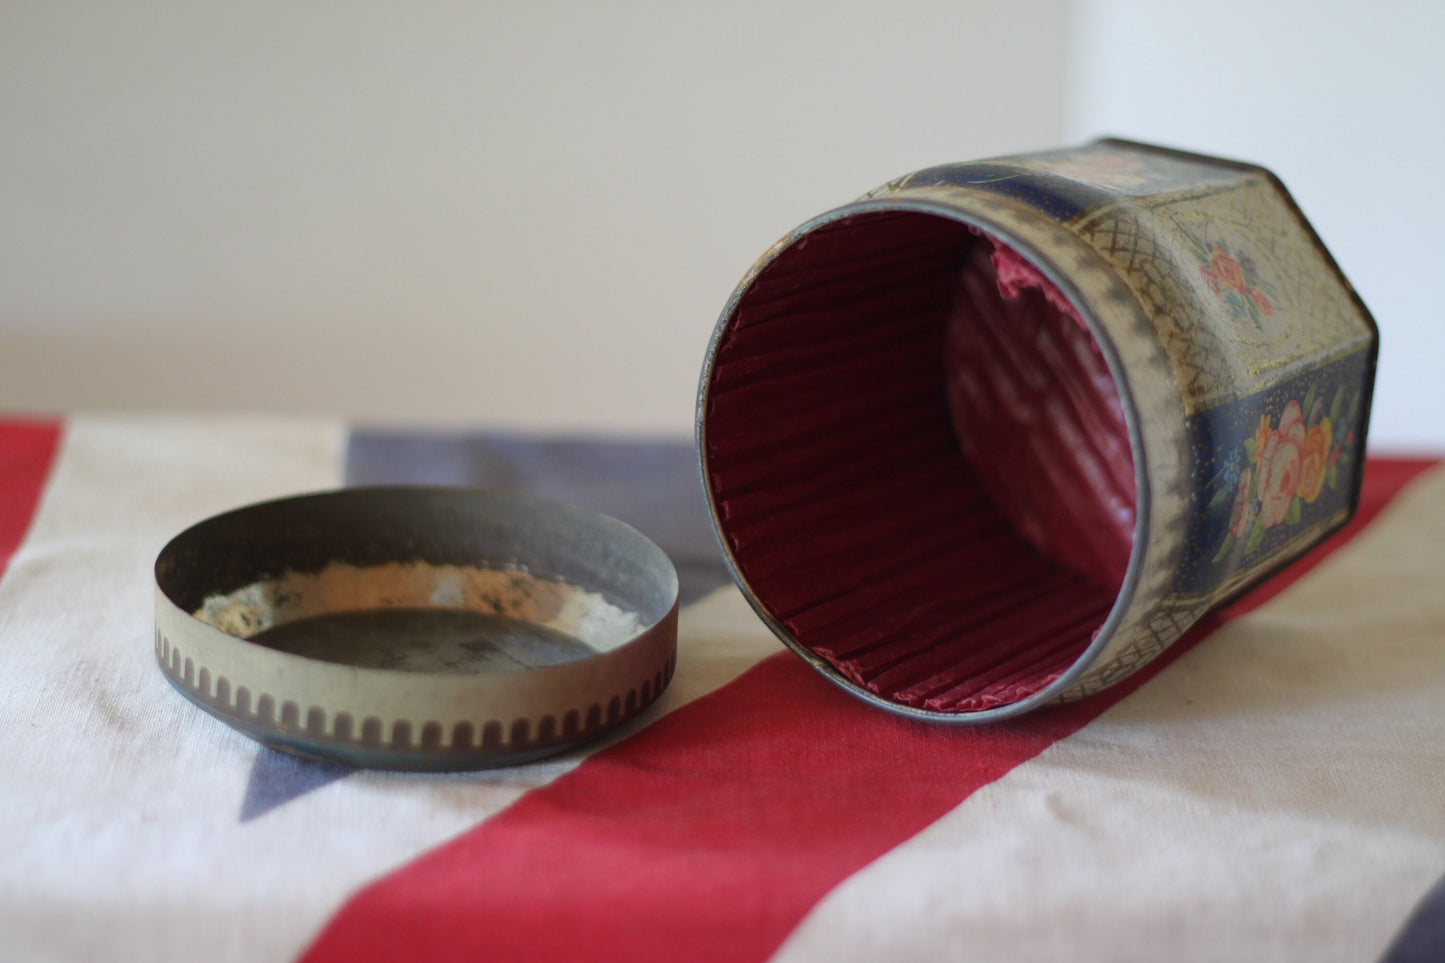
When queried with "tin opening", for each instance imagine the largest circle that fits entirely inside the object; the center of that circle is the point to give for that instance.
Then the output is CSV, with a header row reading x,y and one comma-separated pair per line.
x,y
919,461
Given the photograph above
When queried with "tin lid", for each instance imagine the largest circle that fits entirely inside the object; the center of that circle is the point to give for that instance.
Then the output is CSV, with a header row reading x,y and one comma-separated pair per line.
x,y
415,627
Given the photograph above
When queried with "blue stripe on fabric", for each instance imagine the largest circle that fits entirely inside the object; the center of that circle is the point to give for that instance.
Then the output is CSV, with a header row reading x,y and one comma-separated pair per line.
x,y
651,485
277,778
1422,938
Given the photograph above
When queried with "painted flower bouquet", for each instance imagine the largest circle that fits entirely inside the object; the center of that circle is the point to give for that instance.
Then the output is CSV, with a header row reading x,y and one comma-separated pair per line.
x,y
1235,279
1286,466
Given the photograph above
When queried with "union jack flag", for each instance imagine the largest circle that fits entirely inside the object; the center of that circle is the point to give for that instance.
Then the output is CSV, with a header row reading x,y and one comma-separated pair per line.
x,y
1272,788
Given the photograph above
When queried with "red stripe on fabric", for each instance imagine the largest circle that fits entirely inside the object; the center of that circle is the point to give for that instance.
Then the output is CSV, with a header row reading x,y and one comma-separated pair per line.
x,y
27,450
710,834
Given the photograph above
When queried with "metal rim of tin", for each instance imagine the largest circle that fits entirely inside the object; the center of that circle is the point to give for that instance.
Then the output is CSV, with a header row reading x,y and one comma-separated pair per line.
x,y
604,590
1065,283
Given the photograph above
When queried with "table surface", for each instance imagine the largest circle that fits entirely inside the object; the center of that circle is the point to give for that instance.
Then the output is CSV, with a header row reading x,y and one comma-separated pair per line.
x,y
1272,788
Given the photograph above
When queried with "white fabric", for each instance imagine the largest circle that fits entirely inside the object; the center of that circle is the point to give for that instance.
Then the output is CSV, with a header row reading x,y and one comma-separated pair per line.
x,y
1276,794
119,800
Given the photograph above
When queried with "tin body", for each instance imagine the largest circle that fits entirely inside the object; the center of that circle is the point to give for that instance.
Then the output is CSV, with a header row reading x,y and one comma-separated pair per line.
x,y
1243,364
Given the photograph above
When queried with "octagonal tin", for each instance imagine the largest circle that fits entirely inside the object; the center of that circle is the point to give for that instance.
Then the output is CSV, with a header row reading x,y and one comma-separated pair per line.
x,y
1243,363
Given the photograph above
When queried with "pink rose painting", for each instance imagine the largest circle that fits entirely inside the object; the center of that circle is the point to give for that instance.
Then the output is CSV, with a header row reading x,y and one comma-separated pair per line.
x,y
1234,278
1287,465
1279,476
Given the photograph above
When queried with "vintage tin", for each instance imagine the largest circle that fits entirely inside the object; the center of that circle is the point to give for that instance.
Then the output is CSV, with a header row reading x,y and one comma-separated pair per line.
x,y
417,627
997,433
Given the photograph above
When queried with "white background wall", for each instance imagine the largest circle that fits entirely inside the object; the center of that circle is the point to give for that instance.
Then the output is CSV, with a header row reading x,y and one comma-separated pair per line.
x,y
508,213
1345,101
530,214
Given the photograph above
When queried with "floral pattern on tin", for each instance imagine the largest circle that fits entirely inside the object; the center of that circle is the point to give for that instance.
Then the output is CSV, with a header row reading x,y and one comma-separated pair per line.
x,y
1110,168
1234,279
1283,469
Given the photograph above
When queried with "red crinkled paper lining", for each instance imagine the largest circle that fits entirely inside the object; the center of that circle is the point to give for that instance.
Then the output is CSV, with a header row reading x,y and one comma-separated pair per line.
x,y
919,461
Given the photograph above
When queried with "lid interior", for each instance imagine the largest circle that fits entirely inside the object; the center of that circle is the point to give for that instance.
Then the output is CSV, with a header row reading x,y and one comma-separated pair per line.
x,y
421,579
